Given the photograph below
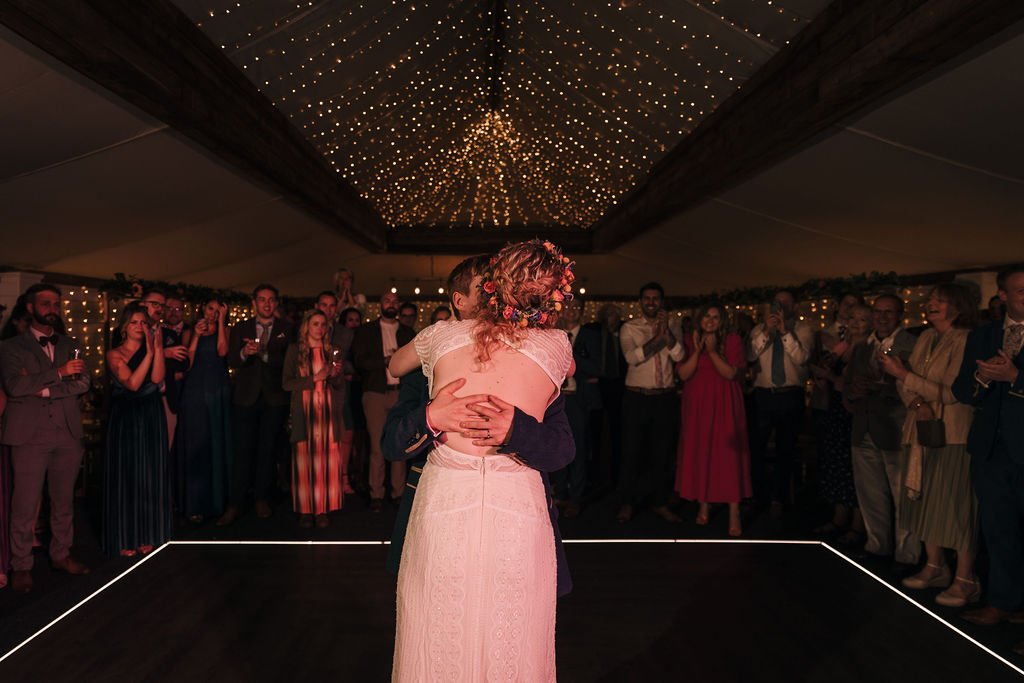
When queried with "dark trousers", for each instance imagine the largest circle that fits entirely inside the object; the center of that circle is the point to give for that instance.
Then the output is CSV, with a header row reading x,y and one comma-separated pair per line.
x,y
571,481
256,438
999,484
608,452
782,413
650,434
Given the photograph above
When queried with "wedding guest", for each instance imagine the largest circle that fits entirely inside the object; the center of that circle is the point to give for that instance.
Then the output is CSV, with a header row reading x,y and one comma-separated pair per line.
x,y
937,503
440,313
43,427
714,461
650,408
175,361
612,385
204,444
991,380
876,434
582,396
781,346
340,337
996,309
832,421
355,441
344,287
256,349
153,302
408,314
372,349
317,427
136,489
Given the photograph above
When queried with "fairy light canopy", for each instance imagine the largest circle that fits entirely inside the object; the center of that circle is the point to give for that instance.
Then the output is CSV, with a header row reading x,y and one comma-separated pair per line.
x,y
502,112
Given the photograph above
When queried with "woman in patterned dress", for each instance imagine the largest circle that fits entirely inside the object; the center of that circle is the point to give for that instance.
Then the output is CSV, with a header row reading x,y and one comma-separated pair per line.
x,y
317,476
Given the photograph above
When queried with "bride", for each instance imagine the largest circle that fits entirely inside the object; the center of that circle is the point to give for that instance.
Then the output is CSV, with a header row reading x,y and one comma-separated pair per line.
x,y
476,587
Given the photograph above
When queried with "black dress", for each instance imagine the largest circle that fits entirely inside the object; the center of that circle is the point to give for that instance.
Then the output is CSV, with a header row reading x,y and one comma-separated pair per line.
x,y
203,441
136,487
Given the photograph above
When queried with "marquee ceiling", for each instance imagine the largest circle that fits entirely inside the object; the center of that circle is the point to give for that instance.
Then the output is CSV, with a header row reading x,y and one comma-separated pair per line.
x,y
525,112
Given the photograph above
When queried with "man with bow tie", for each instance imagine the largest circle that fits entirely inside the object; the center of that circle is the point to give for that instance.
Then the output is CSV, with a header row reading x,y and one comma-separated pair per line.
x,y
256,350
43,427
991,379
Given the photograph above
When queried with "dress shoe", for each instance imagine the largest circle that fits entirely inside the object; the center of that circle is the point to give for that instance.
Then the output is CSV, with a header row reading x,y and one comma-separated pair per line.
x,y
971,594
229,516
263,510
989,616
21,581
941,579
322,521
624,514
666,514
376,504
70,565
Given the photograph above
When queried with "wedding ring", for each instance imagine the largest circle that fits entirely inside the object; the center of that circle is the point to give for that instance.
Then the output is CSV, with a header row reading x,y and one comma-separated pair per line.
x,y
488,437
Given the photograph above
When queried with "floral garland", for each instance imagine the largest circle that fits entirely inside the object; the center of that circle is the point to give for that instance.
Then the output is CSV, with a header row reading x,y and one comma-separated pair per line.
x,y
534,316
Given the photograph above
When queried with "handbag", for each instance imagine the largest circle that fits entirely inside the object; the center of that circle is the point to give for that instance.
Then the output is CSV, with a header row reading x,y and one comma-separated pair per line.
x,y
932,433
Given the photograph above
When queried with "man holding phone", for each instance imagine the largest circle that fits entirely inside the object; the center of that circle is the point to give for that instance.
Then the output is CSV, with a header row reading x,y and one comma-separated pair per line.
x,y
878,415
781,347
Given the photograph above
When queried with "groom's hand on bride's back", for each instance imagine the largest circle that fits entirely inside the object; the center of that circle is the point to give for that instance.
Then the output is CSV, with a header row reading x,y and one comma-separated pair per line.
x,y
447,411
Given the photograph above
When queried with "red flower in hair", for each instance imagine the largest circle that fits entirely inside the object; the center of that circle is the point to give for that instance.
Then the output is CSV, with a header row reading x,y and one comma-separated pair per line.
x,y
507,313
489,286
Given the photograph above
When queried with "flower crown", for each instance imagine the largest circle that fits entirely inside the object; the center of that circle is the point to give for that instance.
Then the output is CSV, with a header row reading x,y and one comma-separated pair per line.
x,y
534,316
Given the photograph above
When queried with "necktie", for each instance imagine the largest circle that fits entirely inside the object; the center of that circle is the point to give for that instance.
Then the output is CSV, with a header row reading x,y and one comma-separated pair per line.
x,y
778,362
264,341
1012,338
44,341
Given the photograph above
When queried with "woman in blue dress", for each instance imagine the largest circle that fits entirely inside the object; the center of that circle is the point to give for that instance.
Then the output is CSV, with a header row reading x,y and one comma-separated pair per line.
x,y
202,444
136,491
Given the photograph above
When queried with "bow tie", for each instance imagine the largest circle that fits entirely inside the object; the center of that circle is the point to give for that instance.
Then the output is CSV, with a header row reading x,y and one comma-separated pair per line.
x,y
43,341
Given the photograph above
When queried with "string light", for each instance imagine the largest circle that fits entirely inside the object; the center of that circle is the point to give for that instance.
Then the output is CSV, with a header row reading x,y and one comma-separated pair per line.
x,y
403,102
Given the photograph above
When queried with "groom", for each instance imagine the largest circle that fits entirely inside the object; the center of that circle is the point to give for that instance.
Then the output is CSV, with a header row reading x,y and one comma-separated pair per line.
x,y
416,423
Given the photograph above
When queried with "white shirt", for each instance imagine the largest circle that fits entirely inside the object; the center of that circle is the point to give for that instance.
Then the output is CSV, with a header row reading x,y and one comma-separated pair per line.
x,y
797,345
656,372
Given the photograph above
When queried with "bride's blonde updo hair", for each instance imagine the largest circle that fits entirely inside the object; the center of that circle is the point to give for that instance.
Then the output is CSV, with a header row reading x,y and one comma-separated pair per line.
x,y
524,287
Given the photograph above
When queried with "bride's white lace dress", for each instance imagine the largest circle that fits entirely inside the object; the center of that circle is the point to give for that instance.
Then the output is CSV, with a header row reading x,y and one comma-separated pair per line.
x,y
476,587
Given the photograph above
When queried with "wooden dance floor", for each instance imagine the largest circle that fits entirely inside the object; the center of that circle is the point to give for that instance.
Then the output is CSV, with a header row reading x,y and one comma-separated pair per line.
x,y
640,612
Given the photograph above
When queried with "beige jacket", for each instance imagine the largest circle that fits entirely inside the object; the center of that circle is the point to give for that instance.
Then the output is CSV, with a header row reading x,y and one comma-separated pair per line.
x,y
933,365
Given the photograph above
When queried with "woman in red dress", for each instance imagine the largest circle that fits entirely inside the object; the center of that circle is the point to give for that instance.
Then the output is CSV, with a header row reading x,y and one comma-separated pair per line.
x,y
714,457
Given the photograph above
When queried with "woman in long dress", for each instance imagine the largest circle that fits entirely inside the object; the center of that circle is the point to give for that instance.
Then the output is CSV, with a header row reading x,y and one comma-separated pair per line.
x,y
203,443
310,370
476,588
136,492
714,457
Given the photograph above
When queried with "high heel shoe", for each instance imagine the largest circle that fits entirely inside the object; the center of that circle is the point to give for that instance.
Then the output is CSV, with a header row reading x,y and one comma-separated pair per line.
x,y
940,580
947,599
735,528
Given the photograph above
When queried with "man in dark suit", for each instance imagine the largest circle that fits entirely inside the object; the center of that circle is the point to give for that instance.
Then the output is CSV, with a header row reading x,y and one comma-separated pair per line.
x,y
991,379
256,350
43,427
416,423
878,415
582,396
175,360
612,384
372,348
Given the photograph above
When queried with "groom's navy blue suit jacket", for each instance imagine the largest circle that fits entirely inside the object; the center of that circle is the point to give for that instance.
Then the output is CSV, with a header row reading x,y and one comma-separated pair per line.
x,y
545,446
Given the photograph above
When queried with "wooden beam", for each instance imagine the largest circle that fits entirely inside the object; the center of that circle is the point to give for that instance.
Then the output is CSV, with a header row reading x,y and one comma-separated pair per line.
x,y
855,54
468,240
153,56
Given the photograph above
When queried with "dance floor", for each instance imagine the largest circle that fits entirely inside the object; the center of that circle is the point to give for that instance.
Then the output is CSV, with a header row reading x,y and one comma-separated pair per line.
x,y
640,611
